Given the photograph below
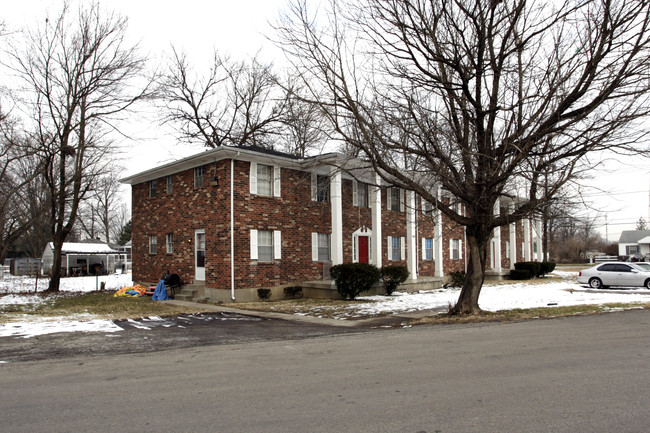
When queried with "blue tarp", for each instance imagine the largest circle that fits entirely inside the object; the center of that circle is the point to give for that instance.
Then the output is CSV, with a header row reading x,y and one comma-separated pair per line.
x,y
160,294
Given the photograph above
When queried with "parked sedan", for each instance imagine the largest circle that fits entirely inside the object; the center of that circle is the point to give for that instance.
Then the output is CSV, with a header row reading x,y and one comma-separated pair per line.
x,y
615,274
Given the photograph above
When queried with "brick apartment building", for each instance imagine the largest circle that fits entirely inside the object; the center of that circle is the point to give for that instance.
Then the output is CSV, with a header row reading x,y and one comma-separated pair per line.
x,y
234,219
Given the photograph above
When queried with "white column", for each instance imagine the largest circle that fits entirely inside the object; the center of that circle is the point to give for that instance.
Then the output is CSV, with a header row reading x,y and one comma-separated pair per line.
x,y
497,240
375,204
337,216
527,256
438,241
513,244
411,236
538,240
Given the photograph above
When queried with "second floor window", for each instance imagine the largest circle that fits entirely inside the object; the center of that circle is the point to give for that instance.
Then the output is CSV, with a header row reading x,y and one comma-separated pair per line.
x,y
153,188
362,194
322,188
153,244
264,180
170,243
169,185
199,176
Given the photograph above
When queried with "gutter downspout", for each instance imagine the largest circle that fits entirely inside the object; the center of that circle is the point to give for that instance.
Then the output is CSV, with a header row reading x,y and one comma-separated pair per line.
x,y
232,227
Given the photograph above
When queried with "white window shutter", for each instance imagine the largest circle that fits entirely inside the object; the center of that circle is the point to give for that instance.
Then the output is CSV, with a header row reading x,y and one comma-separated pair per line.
x,y
389,201
424,249
276,181
355,193
253,244
402,246
313,186
451,248
253,178
277,245
402,201
314,247
460,249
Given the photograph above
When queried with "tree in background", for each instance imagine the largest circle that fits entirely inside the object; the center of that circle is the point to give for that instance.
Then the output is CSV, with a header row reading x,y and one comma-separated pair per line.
x,y
641,224
79,77
490,101
235,103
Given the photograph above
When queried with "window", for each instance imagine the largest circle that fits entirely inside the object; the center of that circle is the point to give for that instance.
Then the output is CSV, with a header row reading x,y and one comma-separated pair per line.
x,y
170,243
153,188
454,249
320,247
395,248
427,248
265,245
427,208
631,250
323,247
395,198
361,194
322,188
264,180
169,185
153,244
199,176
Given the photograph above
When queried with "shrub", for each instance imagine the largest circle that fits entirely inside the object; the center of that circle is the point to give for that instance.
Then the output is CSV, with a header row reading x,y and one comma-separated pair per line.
x,y
293,292
354,278
519,274
457,278
533,268
264,294
547,268
392,276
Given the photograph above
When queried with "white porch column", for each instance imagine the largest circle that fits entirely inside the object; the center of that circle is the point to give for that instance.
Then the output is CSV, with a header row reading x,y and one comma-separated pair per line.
x,y
497,240
513,244
411,236
337,216
538,240
437,235
527,255
375,204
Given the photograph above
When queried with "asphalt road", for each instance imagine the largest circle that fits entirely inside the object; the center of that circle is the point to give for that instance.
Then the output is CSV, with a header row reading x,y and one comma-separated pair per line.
x,y
581,374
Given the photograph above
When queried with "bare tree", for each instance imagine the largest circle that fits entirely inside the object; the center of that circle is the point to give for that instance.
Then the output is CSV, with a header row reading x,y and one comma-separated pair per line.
x,y
103,214
236,103
478,98
79,77
304,123
19,171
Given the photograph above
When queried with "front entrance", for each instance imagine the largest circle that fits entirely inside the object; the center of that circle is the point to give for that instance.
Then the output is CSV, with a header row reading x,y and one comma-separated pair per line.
x,y
199,255
364,256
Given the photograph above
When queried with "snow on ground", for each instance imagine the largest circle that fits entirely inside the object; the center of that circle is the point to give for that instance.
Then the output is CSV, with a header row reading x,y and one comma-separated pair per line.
x,y
20,291
562,290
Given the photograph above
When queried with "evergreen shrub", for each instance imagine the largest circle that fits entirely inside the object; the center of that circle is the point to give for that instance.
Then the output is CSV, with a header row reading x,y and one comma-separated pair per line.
x,y
354,278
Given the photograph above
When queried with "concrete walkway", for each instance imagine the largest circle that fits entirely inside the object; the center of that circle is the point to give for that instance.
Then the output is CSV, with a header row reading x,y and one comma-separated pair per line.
x,y
388,320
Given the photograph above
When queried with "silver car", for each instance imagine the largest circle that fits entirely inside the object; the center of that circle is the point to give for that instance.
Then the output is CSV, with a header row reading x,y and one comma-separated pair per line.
x,y
616,274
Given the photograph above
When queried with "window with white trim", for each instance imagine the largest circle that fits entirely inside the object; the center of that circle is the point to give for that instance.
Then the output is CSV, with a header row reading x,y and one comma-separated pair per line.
x,y
322,188
361,192
427,248
265,245
153,244
320,247
199,176
153,188
395,198
264,180
396,248
427,208
169,184
169,241
454,249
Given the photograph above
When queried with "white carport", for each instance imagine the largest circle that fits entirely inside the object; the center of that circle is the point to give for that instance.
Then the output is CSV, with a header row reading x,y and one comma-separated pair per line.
x,y
78,258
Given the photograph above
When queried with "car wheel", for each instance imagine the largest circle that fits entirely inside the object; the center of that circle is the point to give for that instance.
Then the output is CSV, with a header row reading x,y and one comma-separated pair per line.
x,y
647,283
595,283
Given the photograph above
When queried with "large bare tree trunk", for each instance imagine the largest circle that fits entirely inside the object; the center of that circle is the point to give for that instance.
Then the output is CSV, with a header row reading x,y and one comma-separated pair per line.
x,y
477,241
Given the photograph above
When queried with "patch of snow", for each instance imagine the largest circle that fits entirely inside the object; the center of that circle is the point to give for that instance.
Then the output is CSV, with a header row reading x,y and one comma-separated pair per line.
x,y
50,325
22,284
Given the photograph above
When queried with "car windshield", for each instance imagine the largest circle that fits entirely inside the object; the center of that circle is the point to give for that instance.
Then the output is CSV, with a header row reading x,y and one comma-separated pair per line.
x,y
643,266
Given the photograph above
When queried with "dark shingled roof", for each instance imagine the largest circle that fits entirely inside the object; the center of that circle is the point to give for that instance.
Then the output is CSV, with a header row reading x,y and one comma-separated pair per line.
x,y
266,151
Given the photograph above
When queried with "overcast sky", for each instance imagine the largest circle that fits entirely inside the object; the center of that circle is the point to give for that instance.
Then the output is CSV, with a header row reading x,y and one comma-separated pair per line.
x,y
620,190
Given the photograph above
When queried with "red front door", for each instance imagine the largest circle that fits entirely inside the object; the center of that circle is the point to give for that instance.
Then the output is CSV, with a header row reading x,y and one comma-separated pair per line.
x,y
363,249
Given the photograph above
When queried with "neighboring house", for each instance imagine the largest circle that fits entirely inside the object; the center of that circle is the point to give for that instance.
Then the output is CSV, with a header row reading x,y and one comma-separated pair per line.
x,y
82,258
234,219
634,243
